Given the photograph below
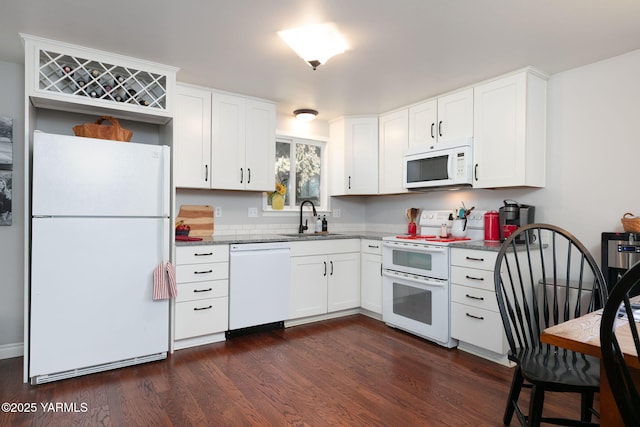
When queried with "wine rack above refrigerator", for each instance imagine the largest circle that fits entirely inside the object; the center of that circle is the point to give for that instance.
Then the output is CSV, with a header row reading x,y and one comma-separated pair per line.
x,y
73,78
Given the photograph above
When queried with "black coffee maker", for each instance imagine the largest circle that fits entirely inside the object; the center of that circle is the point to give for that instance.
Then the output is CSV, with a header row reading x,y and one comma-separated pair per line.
x,y
514,213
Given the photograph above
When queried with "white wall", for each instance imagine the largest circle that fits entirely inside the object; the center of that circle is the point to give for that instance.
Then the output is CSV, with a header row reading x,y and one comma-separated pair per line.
x,y
11,237
593,151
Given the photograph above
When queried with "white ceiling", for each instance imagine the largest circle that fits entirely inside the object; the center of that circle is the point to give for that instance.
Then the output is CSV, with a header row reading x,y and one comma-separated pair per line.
x,y
401,51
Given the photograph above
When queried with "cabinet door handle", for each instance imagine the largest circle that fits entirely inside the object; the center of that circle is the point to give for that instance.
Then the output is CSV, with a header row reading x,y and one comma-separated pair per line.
x,y
476,298
380,270
207,254
325,268
440,128
331,262
241,175
432,126
475,171
206,173
203,272
249,178
202,308
470,258
210,289
349,182
474,317
474,278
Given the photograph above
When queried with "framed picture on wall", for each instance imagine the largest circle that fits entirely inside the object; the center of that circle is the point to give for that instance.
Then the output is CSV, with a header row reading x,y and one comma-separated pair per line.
x,y
6,143
6,168
6,183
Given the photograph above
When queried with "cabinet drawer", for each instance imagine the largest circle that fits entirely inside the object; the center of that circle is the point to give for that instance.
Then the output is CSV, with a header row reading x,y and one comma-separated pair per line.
x,y
201,254
371,246
485,260
481,279
479,298
202,272
202,290
201,317
479,327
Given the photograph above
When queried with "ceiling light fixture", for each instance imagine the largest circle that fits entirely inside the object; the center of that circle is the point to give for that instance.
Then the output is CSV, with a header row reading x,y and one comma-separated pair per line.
x,y
315,44
305,114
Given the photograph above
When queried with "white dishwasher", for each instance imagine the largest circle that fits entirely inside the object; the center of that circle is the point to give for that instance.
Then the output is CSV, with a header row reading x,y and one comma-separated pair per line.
x,y
259,282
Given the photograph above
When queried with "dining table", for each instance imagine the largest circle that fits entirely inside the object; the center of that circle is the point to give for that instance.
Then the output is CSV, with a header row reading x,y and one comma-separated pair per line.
x,y
582,334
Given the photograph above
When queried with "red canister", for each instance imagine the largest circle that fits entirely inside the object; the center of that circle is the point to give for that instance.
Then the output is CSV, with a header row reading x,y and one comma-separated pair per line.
x,y
491,227
412,229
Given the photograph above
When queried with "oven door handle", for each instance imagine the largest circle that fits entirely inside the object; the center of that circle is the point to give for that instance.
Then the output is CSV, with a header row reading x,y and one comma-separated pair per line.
x,y
414,278
416,246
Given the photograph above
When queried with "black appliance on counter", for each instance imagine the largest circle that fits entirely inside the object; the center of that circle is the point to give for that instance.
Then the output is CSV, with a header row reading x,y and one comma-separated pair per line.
x,y
619,252
514,213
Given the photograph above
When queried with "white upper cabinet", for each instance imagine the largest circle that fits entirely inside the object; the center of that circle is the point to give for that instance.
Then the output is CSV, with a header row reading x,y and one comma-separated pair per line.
x,y
393,141
260,142
66,77
243,143
449,117
353,144
192,137
510,131
223,141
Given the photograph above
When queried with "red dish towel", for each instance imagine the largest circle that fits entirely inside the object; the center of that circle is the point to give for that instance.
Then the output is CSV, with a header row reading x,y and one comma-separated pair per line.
x,y
164,282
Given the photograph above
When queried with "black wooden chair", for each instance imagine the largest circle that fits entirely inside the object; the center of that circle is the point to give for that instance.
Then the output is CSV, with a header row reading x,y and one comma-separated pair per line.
x,y
548,279
619,309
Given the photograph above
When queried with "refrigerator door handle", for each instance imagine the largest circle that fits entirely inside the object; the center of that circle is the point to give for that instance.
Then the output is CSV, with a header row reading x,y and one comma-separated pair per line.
x,y
166,180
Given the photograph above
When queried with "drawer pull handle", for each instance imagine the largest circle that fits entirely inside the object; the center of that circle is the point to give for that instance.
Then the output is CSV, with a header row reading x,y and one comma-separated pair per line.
x,y
210,289
374,246
207,254
470,258
474,278
472,297
474,317
203,272
202,308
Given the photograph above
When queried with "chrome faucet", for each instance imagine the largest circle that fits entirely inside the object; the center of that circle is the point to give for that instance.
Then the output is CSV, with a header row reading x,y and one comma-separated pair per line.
x,y
301,228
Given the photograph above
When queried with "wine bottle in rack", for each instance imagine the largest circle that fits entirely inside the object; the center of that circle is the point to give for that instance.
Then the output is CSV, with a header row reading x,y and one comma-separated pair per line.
x,y
107,88
94,91
132,96
66,69
95,73
117,98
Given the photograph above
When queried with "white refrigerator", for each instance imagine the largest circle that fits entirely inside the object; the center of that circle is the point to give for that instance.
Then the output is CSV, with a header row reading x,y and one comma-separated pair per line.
x,y
99,228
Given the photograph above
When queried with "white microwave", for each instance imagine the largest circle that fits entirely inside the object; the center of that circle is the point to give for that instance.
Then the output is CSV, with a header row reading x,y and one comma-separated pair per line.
x,y
443,164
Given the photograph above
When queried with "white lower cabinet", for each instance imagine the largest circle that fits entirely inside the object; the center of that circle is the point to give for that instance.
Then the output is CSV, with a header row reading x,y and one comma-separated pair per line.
x,y
325,277
371,275
475,318
201,313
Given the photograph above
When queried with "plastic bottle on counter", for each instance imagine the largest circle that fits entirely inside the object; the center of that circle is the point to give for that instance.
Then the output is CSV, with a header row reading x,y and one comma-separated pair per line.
x,y
318,224
325,224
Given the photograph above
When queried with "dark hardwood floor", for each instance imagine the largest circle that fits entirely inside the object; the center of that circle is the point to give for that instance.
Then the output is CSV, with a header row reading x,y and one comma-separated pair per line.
x,y
353,371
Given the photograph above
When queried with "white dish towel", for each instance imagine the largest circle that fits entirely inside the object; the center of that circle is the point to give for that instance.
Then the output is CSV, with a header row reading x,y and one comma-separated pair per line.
x,y
164,282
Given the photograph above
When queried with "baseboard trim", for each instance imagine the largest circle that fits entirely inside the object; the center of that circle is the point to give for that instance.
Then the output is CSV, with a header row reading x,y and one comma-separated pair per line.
x,y
7,351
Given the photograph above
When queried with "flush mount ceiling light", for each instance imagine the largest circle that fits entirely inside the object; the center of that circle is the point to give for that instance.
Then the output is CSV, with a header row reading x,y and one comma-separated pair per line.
x,y
315,44
305,114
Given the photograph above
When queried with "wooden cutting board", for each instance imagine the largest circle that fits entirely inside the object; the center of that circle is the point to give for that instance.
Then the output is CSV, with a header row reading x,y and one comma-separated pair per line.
x,y
199,218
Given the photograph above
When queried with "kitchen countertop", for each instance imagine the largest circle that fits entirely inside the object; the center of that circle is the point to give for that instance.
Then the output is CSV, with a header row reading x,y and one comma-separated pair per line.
x,y
288,237
285,237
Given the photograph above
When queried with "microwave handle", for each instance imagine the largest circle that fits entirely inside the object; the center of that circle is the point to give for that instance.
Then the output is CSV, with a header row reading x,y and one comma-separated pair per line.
x,y
451,165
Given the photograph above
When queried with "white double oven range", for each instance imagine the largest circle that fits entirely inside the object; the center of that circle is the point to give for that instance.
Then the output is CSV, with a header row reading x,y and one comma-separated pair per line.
x,y
415,285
